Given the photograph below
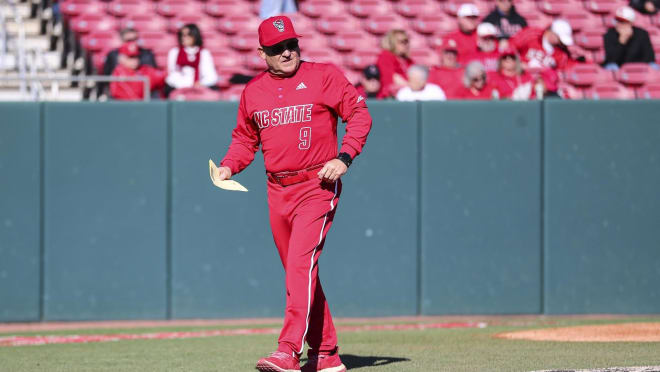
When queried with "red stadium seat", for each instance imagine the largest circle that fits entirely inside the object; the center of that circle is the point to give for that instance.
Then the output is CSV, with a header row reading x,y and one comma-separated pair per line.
x,y
634,74
85,23
314,40
655,41
321,8
322,55
228,60
649,91
567,91
223,8
245,41
303,24
73,8
157,42
425,57
581,20
122,8
145,23
603,6
556,7
348,41
254,62
330,25
590,40
538,19
451,7
100,40
239,23
171,8
360,59
586,75
203,22
380,24
611,90
370,8
416,8
233,93
434,24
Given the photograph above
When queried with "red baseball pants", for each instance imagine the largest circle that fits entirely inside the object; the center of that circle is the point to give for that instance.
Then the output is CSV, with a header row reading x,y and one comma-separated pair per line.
x,y
300,217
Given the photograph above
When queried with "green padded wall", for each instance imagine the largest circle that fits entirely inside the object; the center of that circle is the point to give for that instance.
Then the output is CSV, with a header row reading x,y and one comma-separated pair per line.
x,y
20,211
105,210
602,215
224,261
481,192
369,263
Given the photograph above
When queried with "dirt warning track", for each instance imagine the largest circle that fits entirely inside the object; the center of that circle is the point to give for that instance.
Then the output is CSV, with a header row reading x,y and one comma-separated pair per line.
x,y
623,332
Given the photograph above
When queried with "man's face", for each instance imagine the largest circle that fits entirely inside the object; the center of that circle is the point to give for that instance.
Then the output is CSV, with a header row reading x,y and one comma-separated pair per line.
x,y
468,24
283,58
416,80
371,85
129,36
508,62
487,43
553,38
504,5
449,58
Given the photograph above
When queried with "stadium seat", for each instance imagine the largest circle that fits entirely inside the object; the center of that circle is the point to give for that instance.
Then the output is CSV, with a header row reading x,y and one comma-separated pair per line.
x,y
321,8
590,40
349,41
370,8
144,23
360,59
416,8
451,6
73,8
203,22
330,25
84,23
585,75
233,93
171,8
222,8
634,74
122,8
611,90
568,91
581,20
194,94
380,24
425,57
538,19
244,41
157,41
254,62
603,6
434,24
97,41
303,24
238,23
655,41
556,7
322,55
649,91
313,40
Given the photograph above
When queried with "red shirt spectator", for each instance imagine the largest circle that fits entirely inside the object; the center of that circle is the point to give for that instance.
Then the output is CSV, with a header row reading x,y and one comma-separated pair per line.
x,y
476,84
510,78
369,84
448,75
487,47
545,50
129,66
393,62
465,37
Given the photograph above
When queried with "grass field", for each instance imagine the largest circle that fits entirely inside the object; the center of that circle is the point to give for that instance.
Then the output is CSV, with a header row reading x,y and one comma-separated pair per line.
x,y
460,349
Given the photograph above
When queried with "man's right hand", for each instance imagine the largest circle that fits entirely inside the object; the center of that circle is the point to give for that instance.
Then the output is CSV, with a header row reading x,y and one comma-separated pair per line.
x,y
224,173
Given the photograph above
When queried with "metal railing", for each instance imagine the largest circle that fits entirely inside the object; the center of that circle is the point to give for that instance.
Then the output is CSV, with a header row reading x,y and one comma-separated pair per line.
x,y
84,79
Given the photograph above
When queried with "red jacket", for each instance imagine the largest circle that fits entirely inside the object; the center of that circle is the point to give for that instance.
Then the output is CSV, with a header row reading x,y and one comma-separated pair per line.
x,y
466,93
465,43
389,64
134,90
449,79
488,59
294,119
505,85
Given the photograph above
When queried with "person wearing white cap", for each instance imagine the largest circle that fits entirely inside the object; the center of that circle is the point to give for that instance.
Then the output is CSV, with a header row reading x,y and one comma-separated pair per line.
x,y
487,50
625,43
546,50
465,37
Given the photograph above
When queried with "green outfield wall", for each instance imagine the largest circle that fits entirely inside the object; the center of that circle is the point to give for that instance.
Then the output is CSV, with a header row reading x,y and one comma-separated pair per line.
x,y
107,212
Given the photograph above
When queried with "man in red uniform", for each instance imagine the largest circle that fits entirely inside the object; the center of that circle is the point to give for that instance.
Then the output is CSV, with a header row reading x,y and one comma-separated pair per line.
x,y
291,111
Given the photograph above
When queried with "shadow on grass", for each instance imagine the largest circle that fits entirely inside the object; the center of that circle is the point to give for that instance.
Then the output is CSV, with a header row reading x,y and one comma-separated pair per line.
x,y
357,361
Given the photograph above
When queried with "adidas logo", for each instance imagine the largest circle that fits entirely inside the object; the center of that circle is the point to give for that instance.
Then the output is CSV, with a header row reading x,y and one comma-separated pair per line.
x,y
301,86
360,98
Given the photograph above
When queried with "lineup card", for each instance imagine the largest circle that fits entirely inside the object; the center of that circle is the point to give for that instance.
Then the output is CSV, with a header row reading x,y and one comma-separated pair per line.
x,y
226,184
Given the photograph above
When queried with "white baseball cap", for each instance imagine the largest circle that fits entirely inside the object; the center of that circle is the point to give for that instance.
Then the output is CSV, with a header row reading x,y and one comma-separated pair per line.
x,y
468,10
625,13
563,30
486,29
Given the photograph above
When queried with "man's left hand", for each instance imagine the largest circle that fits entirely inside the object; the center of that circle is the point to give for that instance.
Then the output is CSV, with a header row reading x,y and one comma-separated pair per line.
x,y
332,170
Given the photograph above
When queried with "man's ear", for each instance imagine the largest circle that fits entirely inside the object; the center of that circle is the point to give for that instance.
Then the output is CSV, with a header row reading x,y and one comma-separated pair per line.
x,y
261,53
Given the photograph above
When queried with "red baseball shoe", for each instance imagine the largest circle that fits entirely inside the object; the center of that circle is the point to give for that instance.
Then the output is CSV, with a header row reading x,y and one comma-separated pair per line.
x,y
279,362
324,362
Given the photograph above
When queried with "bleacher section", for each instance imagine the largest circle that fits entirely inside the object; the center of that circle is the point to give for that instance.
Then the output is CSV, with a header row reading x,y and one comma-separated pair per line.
x,y
347,33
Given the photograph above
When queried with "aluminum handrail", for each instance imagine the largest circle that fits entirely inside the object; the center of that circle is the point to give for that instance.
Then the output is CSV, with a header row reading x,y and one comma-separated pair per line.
x,y
94,78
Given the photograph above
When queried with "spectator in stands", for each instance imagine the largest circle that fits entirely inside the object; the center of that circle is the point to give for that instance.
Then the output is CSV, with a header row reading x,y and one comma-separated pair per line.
x,y
646,6
546,50
506,19
626,43
369,84
146,56
419,89
271,8
510,80
475,83
449,74
190,65
393,62
129,65
465,37
487,50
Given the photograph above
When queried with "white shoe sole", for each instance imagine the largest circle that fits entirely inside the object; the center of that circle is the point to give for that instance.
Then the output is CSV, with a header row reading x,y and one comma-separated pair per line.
x,y
267,366
340,368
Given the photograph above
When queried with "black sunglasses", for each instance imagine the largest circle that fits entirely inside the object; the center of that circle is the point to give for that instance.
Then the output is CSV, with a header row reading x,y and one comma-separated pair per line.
x,y
278,49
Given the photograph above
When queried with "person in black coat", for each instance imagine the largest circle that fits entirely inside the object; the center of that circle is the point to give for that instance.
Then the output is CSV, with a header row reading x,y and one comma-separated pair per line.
x,y
646,6
505,17
625,43
146,57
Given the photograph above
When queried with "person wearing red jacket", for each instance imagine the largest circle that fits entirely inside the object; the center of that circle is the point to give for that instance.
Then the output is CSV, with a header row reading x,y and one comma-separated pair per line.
x,y
466,36
290,111
129,65
476,84
510,80
487,47
449,75
545,50
393,62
